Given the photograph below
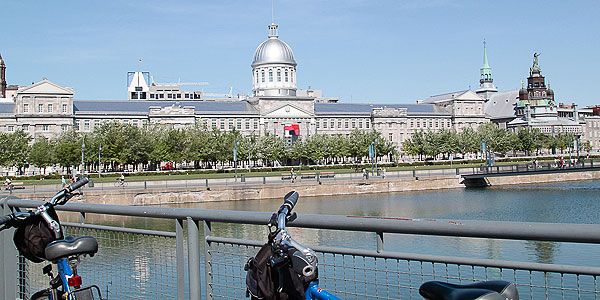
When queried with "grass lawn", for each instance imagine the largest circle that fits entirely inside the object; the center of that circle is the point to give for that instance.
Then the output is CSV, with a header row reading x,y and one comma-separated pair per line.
x,y
167,176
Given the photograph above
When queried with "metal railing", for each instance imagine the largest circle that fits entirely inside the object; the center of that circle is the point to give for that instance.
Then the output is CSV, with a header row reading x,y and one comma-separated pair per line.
x,y
148,264
277,178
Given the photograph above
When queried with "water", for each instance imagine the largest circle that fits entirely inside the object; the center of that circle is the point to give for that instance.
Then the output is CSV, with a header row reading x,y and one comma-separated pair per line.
x,y
571,202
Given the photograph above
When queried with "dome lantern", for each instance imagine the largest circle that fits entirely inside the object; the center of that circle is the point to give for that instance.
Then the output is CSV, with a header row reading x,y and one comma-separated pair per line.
x,y
273,67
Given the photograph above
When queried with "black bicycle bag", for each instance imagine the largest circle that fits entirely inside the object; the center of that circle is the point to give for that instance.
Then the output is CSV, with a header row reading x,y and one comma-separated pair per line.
x,y
262,279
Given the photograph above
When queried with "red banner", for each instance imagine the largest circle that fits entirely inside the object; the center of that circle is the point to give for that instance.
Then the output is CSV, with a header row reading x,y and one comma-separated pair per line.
x,y
294,127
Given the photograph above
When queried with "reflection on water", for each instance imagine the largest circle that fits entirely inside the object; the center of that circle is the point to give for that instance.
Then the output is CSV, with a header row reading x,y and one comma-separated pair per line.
x,y
572,202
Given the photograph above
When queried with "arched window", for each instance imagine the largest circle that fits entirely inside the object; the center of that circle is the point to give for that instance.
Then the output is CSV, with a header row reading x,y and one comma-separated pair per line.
x,y
270,75
263,76
286,76
278,75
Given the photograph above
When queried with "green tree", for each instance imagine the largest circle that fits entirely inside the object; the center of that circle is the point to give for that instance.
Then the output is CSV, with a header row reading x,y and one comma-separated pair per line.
x,y
14,149
41,153
67,149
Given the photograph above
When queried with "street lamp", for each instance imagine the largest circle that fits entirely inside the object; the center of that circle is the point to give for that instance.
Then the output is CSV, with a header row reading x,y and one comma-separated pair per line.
x,y
235,157
82,148
99,163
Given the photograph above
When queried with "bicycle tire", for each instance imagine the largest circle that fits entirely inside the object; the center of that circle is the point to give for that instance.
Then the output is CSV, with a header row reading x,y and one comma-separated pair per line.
x,y
41,295
125,183
44,295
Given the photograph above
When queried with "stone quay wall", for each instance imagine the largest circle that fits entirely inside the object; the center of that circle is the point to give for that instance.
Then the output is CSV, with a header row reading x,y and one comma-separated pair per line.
x,y
161,196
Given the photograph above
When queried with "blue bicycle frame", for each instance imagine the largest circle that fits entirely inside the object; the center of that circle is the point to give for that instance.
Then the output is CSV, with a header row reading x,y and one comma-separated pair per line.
x,y
65,272
314,292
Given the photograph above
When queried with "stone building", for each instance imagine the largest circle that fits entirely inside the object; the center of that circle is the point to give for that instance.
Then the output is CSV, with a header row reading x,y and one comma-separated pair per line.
x,y
46,109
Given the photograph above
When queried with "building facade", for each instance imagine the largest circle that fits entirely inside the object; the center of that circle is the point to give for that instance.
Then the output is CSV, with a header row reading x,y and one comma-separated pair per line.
x,y
46,109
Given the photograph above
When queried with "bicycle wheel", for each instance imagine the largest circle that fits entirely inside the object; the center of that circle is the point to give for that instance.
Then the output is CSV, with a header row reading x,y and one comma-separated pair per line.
x,y
41,295
125,183
117,184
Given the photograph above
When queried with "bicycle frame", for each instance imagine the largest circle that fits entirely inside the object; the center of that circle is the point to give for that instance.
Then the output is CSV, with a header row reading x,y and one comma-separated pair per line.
x,y
65,272
314,292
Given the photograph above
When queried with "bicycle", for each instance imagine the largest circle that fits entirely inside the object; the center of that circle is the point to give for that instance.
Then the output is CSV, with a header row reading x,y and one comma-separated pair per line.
x,y
49,245
121,183
288,253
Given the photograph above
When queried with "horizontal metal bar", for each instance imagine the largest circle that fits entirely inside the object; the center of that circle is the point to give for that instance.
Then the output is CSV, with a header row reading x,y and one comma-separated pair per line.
x,y
481,262
121,229
576,233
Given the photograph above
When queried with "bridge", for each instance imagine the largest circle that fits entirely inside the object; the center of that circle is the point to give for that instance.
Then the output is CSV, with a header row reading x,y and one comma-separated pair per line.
x,y
476,177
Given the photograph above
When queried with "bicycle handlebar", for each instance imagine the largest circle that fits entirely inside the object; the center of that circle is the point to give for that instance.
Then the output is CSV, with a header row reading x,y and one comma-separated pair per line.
x,y
41,210
290,200
303,259
78,184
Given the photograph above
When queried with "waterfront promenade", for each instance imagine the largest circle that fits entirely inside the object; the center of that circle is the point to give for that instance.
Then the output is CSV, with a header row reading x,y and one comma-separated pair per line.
x,y
159,192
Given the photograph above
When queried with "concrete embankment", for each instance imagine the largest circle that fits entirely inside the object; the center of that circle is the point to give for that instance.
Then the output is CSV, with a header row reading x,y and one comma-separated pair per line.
x,y
306,189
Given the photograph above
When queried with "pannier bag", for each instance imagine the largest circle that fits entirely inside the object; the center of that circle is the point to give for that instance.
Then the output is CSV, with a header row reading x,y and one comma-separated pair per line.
x,y
33,235
262,280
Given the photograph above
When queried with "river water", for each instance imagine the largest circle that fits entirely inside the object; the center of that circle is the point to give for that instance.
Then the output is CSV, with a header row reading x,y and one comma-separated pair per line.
x,y
569,202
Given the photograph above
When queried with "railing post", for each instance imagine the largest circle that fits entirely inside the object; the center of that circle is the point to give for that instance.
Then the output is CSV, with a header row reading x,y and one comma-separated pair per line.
x,y
193,258
206,182
8,258
180,259
208,261
379,242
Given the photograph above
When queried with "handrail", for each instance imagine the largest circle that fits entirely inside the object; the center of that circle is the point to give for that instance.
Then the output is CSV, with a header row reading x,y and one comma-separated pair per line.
x,y
557,232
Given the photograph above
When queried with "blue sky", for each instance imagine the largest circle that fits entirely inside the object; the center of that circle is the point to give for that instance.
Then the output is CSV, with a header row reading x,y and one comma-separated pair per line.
x,y
356,50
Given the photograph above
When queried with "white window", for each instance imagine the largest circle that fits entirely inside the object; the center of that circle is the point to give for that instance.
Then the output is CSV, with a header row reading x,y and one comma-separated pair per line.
x,y
286,76
40,108
45,127
64,108
64,127
96,123
263,76
270,76
135,123
278,75
25,108
10,128
25,127
86,125
50,107
255,124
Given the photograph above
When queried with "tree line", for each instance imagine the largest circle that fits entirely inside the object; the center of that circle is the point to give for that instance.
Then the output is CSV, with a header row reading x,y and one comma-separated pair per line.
x,y
525,140
113,145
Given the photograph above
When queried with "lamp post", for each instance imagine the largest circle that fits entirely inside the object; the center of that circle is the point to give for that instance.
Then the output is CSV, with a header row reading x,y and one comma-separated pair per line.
x,y
82,148
235,157
99,163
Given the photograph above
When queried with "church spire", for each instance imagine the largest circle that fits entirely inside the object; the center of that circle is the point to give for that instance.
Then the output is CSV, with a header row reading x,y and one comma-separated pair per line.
x,y
486,85
486,71
2,78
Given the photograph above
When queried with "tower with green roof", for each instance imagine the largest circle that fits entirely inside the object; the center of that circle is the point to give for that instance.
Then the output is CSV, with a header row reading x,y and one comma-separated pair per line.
x,y
486,82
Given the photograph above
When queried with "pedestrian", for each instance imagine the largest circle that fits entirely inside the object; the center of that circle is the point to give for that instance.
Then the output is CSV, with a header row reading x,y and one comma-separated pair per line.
x,y
383,173
64,182
7,183
364,173
292,176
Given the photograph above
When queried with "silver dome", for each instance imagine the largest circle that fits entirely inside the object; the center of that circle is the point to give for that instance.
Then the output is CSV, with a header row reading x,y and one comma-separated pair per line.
x,y
272,51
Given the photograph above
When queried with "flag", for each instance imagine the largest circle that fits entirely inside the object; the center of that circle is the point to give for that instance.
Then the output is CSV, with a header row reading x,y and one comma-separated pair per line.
x,y
139,60
293,129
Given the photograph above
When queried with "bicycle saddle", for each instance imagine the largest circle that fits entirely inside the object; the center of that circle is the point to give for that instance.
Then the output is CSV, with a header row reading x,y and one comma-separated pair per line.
x,y
71,246
484,290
